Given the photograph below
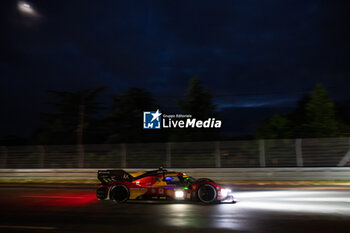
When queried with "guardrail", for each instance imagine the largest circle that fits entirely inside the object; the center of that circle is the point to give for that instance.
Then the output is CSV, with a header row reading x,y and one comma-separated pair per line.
x,y
219,174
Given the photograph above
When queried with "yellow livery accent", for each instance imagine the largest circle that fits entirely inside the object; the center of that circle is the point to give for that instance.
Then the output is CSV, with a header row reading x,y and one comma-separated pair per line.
x,y
159,183
136,192
135,174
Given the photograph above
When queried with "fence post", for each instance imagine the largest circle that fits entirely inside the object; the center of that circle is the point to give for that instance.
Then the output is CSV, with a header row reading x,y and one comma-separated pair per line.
x,y
262,153
123,159
168,155
81,155
346,157
42,153
299,152
4,155
217,155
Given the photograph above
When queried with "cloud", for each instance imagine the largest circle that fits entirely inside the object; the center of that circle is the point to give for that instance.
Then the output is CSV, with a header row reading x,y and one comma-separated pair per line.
x,y
251,103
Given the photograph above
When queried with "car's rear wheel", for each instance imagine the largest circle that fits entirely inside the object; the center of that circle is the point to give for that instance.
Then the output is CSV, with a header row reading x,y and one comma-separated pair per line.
x,y
119,193
207,194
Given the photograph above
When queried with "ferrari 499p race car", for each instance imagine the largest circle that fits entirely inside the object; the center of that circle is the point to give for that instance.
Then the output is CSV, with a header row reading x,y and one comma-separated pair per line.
x,y
121,186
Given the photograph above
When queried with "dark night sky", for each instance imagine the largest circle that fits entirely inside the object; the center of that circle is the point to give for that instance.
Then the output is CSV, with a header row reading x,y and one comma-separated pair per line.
x,y
254,55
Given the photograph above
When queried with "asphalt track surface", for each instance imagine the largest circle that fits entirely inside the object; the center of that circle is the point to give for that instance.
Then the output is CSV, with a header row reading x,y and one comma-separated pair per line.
x,y
62,209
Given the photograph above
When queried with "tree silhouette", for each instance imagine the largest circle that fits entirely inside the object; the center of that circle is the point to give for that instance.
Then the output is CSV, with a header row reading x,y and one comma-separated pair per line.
x,y
314,117
320,116
198,103
124,122
277,126
74,120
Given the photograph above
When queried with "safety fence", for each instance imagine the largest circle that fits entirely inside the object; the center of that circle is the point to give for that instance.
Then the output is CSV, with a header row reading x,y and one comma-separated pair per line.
x,y
317,152
218,174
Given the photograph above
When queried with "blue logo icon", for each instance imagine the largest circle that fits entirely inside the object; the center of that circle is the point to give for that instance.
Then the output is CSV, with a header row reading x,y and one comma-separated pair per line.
x,y
151,120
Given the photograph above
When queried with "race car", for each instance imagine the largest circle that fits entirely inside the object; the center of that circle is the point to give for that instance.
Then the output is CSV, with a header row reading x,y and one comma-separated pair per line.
x,y
121,186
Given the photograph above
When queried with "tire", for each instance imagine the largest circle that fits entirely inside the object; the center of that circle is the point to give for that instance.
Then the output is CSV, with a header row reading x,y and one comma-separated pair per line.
x,y
119,193
207,194
102,193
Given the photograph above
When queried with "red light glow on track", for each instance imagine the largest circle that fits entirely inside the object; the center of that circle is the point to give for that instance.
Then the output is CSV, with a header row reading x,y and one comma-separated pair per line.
x,y
72,197
62,199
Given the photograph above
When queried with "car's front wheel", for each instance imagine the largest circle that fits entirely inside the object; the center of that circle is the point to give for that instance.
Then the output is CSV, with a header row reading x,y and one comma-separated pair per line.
x,y
207,194
119,193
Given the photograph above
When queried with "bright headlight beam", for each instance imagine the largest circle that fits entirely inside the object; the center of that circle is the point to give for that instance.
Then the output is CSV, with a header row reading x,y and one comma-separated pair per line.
x,y
179,194
224,192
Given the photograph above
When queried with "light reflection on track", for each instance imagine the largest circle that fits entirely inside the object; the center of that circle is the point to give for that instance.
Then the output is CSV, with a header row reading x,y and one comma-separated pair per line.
x,y
311,202
78,210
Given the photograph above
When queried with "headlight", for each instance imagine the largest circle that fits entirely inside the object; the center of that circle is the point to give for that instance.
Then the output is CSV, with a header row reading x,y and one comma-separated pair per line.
x,y
179,194
228,190
224,192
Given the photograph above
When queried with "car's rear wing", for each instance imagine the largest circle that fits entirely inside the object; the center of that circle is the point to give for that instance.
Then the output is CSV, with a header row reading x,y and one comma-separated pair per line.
x,y
107,176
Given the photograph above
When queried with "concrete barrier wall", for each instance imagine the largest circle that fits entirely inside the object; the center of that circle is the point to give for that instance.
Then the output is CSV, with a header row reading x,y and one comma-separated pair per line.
x,y
220,174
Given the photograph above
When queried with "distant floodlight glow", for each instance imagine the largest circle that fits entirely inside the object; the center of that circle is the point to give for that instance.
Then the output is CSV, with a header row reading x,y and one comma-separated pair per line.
x,y
26,8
